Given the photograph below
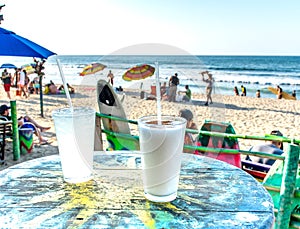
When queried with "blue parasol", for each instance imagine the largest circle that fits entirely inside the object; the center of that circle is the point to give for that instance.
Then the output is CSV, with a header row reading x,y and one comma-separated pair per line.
x,y
7,65
14,45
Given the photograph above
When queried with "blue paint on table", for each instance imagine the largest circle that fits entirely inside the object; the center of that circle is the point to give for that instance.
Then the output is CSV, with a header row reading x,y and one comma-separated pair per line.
x,y
212,194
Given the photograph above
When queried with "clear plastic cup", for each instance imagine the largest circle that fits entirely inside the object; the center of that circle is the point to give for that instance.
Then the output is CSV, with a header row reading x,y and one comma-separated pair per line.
x,y
75,136
161,147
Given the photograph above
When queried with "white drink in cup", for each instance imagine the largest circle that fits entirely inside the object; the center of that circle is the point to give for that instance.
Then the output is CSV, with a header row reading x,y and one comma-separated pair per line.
x,y
75,136
161,147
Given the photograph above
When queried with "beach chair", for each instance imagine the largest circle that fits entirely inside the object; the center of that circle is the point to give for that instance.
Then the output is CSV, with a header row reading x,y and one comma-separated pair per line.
x,y
283,183
218,142
5,132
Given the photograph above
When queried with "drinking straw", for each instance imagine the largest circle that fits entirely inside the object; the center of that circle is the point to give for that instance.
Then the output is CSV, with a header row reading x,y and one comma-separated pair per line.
x,y
158,96
64,83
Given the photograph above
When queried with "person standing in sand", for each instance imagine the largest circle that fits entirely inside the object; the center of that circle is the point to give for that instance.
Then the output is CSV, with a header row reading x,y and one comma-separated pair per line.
x,y
243,90
209,86
173,82
279,92
7,80
236,91
110,77
23,75
258,94
294,94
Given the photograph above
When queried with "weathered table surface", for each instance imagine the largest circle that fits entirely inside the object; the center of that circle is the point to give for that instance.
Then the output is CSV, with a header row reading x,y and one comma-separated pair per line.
x,y
212,194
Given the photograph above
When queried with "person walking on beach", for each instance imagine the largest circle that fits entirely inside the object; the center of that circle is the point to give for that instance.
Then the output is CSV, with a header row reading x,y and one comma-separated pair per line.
x,y
258,94
279,92
294,94
244,91
110,77
6,78
173,82
236,91
23,75
209,86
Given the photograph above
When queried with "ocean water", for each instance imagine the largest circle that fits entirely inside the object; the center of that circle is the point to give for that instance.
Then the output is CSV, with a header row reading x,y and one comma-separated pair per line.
x,y
254,72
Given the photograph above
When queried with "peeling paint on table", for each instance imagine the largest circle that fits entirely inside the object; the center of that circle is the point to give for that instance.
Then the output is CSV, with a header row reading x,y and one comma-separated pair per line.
x,y
212,194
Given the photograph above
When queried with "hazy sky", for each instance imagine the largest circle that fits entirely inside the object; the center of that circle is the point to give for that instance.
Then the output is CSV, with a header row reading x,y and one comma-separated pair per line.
x,y
200,27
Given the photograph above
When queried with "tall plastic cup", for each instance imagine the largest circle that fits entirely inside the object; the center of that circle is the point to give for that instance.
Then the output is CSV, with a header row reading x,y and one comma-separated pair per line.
x,y
161,147
75,136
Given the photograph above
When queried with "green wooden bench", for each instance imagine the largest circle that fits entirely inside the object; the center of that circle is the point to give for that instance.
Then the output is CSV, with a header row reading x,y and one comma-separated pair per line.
x,y
282,180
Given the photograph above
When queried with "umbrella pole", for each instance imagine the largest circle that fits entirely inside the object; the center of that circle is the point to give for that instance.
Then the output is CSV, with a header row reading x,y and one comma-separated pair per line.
x,y
41,95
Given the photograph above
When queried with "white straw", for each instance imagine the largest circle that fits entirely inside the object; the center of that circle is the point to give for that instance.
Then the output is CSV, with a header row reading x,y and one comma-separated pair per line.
x,y
64,83
158,95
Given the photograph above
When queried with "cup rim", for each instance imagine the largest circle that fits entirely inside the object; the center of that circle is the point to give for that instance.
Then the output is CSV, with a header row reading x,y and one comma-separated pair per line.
x,y
61,112
179,120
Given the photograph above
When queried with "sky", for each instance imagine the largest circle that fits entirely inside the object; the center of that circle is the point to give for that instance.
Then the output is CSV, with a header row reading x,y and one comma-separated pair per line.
x,y
200,27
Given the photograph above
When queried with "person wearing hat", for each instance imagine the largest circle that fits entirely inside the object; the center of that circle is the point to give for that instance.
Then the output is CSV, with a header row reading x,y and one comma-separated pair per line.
x,y
173,82
273,147
209,86
188,138
4,115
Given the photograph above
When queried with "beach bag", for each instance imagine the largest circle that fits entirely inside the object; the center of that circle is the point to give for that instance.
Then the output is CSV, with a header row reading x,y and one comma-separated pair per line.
x,y
26,140
18,92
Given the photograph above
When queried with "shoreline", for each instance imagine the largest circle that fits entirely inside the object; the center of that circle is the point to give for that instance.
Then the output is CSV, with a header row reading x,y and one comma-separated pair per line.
x,y
248,115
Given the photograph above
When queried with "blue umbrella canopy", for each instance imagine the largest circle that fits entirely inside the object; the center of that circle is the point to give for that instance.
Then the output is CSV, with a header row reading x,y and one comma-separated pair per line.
x,y
12,44
7,65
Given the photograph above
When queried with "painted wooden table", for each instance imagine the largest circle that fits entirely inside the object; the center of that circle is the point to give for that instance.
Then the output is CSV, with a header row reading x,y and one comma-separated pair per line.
x,y
212,194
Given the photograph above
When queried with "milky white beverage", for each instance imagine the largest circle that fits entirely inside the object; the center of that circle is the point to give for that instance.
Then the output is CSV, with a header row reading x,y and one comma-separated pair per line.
x,y
161,147
75,137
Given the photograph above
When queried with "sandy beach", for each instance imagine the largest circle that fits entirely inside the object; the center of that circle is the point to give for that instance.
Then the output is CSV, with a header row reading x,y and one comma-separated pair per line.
x,y
249,116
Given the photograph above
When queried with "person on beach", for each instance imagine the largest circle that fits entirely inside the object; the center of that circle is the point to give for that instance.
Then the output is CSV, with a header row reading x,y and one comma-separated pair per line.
x,y
274,147
173,82
258,94
188,138
209,86
236,91
110,77
279,92
70,88
4,112
243,91
7,81
188,94
51,88
22,82
16,77
294,94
